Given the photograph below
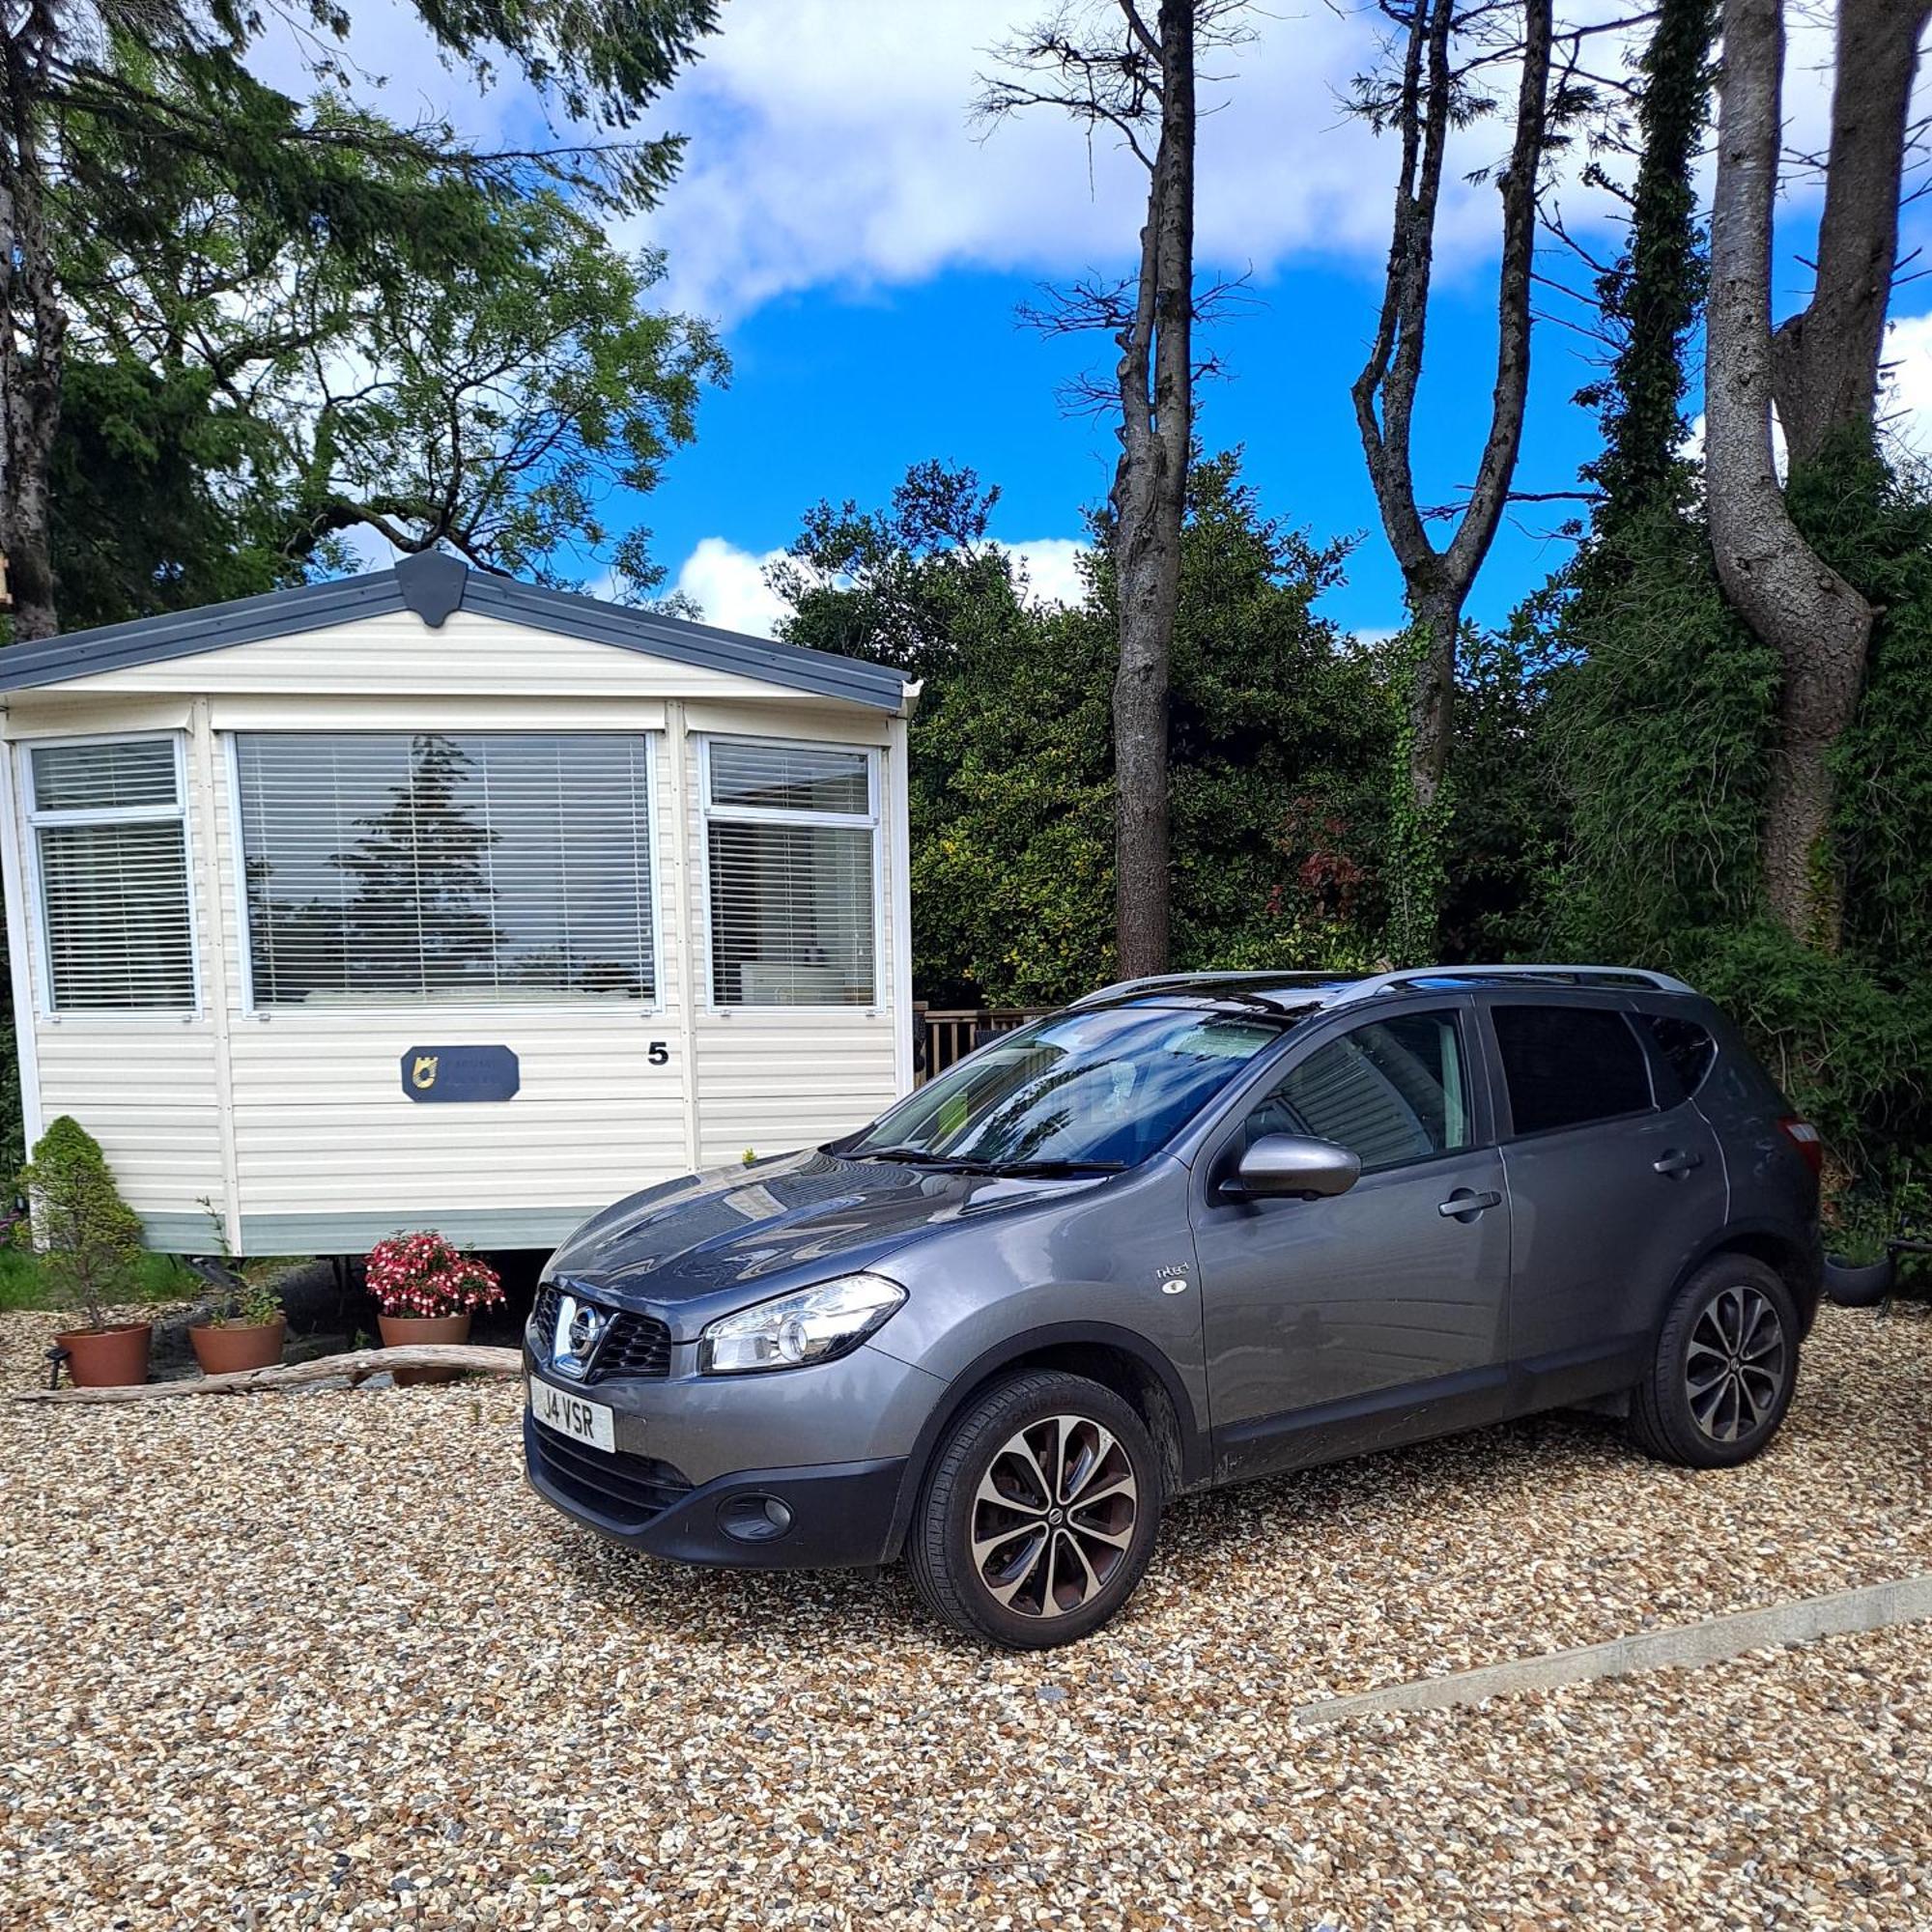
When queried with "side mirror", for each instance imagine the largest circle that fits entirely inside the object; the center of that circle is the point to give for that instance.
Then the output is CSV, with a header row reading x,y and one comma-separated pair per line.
x,y
1294,1167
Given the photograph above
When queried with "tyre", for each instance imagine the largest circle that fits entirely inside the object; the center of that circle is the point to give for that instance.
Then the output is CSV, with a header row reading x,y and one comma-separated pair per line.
x,y
1725,1365
1038,1514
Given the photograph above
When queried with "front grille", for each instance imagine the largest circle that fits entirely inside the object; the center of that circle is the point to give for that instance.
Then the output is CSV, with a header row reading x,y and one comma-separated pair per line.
x,y
543,1321
630,1491
637,1346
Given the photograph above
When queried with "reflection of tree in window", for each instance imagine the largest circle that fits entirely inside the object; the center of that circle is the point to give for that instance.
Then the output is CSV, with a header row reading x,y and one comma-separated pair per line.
x,y
554,967
422,910
382,866
1014,1131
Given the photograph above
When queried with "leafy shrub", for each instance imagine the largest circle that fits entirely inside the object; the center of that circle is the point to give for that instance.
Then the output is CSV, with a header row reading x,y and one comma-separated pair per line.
x,y
89,1238
425,1275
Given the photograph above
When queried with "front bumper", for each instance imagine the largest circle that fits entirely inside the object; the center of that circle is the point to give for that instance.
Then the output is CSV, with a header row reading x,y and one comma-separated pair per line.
x,y
696,1455
840,1513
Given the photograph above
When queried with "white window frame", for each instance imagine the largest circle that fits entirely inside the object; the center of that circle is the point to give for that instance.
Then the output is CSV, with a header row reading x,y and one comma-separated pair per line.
x,y
456,1009
35,819
746,814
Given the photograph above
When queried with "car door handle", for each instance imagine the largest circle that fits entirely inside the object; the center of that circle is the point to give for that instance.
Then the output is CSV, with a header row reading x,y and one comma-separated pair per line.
x,y
1677,1162
1466,1203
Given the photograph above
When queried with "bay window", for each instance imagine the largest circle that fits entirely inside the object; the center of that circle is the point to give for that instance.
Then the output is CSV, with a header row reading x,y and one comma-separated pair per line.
x,y
386,867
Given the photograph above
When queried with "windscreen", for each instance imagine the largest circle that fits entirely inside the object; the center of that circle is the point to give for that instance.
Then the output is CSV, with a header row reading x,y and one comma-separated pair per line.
x,y
1101,1090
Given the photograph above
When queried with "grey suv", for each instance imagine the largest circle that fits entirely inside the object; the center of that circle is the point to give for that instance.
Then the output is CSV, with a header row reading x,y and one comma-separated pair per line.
x,y
1187,1232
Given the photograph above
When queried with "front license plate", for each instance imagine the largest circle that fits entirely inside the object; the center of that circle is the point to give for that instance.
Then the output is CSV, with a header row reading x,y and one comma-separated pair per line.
x,y
571,1415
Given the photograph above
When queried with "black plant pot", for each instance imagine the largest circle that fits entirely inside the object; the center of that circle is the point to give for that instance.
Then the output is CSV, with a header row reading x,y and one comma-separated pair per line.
x,y
1859,1284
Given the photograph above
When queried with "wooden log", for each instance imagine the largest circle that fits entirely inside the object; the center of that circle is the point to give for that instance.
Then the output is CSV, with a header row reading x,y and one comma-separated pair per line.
x,y
357,1366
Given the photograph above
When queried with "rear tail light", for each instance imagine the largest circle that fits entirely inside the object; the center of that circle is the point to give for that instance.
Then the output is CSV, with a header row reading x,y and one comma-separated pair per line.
x,y
1805,1137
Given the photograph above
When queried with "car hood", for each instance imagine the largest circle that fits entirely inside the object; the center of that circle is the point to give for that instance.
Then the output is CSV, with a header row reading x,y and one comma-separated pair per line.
x,y
741,1233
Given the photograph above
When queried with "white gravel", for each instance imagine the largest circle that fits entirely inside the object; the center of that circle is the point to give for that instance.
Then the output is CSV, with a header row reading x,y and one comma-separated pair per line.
x,y
322,1660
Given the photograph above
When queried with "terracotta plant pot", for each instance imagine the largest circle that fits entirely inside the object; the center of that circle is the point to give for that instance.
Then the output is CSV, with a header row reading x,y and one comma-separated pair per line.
x,y
222,1349
400,1331
108,1358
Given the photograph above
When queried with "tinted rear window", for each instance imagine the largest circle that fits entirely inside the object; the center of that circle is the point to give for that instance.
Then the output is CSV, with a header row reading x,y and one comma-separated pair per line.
x,y
1689,1048
1568,1064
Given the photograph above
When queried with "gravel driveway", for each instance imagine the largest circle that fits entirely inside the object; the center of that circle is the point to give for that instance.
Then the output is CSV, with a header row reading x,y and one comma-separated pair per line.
x,y
322,1660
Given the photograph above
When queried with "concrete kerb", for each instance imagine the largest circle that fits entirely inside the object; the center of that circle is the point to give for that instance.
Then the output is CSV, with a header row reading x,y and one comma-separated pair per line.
x,y
1876,1607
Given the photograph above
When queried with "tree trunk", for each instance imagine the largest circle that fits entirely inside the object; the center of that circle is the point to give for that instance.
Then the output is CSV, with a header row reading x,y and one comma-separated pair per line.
x,y
1437,583
1818,624
1825,360
1148,574
1156,381
1435,620
30,311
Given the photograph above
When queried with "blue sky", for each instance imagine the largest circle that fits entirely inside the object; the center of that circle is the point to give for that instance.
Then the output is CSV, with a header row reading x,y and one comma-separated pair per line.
x,y
863,245
834,396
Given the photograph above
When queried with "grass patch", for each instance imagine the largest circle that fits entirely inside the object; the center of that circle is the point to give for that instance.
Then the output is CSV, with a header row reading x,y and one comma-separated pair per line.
x,y
159,1278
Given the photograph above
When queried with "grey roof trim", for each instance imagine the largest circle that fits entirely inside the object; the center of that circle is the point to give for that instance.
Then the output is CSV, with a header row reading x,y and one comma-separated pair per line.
x,y
425,585
185,634
822,674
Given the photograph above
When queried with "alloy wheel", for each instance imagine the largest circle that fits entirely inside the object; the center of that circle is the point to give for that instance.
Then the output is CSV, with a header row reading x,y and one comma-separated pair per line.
x,y
1735,1366
1054,1516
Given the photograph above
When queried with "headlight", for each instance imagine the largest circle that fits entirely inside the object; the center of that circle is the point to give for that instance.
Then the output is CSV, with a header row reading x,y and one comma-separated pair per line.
x,y
812,1325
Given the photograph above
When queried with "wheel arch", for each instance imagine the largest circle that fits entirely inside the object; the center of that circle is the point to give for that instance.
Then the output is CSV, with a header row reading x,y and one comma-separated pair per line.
x,y
1117,1358
1799,1266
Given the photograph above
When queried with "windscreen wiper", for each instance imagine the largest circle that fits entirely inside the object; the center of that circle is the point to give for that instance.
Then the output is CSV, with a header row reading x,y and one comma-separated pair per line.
x,y
1046,1169
966,1163
912,1156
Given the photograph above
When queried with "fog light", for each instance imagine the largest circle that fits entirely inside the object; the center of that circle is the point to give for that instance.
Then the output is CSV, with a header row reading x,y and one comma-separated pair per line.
x,y
755,1519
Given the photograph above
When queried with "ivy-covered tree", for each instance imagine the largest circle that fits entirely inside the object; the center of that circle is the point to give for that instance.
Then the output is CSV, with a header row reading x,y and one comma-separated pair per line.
x,y
1661,729
1659,716
1785,579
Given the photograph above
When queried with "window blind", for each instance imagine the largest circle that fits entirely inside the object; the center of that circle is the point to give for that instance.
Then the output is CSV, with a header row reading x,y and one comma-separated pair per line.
x,y
750,774
790,841
112,854
491,866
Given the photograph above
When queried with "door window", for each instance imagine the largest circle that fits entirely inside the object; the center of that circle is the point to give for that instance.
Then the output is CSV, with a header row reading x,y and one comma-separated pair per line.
x,y
1565,1066
1393,1092
1689,1048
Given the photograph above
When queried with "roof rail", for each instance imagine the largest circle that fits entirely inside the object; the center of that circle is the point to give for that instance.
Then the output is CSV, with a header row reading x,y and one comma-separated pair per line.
x,y
1152,981
1391,982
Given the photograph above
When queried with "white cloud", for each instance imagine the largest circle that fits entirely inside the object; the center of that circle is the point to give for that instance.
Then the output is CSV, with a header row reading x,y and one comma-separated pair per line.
x,y
368,548
728,583
1906,407
729,586
1053,568
832,145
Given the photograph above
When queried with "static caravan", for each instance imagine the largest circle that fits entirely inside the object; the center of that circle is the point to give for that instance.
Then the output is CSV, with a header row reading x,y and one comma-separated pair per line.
x,y
426,898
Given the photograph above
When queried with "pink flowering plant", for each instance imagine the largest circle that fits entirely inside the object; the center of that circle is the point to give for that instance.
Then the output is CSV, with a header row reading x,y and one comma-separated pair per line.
x,y
425,1275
